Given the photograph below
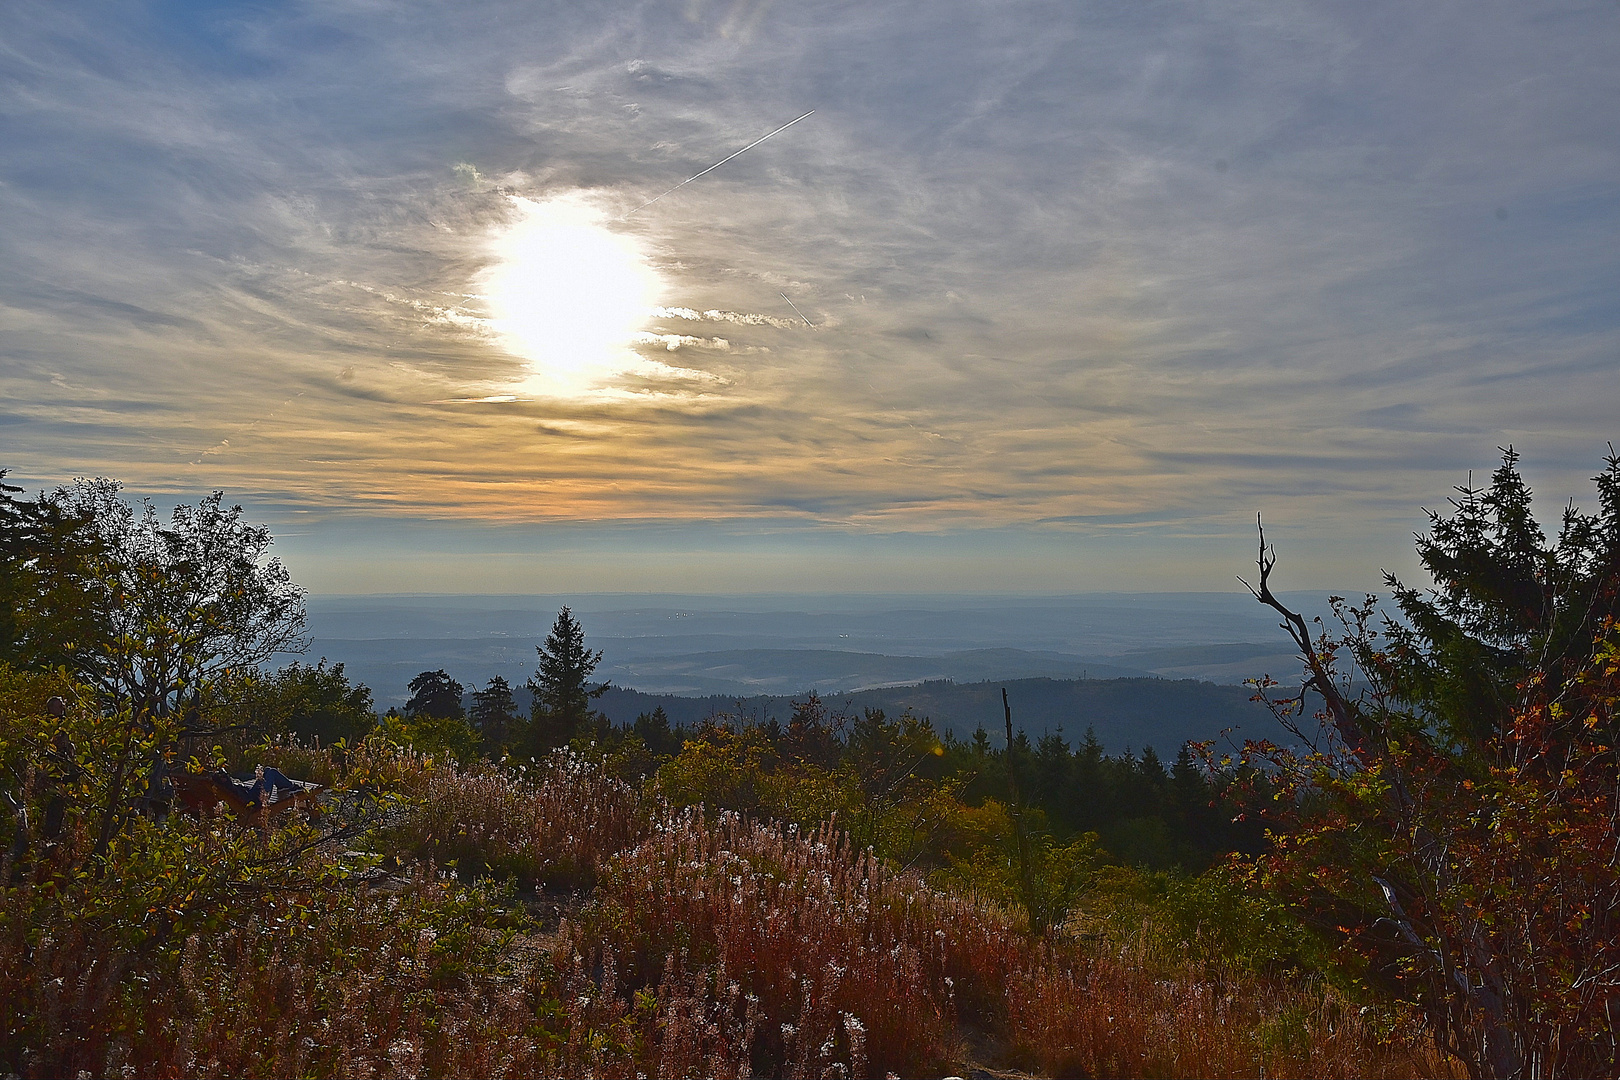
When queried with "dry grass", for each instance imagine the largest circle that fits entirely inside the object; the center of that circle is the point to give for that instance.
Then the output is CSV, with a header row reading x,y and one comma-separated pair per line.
x,y
312,984
834,963
1117,1014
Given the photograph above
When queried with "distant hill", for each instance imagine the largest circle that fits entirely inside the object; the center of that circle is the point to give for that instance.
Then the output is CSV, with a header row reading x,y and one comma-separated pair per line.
x,y
1131,712
726,646
840,671
1227,663
388,664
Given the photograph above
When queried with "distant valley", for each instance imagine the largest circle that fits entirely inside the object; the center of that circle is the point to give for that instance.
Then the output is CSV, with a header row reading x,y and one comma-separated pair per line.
x,y
1141,668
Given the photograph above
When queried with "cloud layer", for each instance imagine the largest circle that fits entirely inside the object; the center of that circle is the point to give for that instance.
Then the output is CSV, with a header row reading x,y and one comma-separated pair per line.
x,y
1071,270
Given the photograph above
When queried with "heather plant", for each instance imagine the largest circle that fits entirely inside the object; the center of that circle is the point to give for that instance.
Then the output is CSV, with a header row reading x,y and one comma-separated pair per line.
x,y
809,929
1125,1010
553,823
830,958
417,982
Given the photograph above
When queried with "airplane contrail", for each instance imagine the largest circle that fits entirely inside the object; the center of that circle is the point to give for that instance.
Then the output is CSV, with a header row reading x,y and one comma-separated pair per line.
x,y
796,310
719,163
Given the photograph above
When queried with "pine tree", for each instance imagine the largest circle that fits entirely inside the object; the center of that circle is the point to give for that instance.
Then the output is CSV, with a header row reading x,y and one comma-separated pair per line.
x,y
981,742
655,733
810,735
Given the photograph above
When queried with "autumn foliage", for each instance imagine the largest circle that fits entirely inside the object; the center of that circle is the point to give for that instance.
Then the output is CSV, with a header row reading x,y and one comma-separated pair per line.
x,y
1455,824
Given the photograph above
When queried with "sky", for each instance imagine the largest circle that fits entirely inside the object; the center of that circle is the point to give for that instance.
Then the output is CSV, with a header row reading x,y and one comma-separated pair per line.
x,y
1040,297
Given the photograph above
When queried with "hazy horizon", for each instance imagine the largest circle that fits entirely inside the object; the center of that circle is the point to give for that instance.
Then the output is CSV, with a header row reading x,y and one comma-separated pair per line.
x,y
702,645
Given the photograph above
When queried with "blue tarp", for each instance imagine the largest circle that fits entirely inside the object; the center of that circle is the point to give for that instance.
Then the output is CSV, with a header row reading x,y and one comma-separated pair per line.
x,y
255,792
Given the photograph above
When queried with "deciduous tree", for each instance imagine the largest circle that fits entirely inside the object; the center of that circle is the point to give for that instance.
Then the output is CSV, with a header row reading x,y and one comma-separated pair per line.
x,y
159,612
309,701
151,617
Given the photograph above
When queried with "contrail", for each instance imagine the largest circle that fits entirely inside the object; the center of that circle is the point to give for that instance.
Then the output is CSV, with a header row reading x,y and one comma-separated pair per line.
x,y
794,306
719,163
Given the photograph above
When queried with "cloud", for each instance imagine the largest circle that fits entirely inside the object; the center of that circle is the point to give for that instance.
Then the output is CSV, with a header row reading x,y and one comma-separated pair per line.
x,y
672,342
1067,264
740,318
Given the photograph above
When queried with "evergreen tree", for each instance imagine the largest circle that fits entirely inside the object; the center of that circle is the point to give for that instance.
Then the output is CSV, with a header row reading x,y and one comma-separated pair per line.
x,y
435,694
1456,823
981,742
1188,788
654,732
1091,790
493,713
561,684
811,736
1050,777
48,561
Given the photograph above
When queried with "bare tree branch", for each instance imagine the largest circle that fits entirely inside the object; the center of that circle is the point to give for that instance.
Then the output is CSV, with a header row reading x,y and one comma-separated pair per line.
x,y
1321,679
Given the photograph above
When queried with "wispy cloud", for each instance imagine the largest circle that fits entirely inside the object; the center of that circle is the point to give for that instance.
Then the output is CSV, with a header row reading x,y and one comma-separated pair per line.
x,y
740,318
1069,265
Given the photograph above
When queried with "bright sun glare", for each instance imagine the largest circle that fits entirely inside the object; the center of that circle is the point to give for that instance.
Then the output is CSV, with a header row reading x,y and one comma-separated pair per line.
x,y
568,294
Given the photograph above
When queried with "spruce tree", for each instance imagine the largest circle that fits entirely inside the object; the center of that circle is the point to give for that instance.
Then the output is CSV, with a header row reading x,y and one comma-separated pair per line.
x,y
493,713
561,684
1453,821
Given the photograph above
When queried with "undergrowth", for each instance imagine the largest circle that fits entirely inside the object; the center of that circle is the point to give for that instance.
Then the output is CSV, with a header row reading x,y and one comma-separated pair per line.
x,y
403,934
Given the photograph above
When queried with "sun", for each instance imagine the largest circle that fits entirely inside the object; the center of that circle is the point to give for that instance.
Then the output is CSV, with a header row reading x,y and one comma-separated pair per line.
x,y
568,294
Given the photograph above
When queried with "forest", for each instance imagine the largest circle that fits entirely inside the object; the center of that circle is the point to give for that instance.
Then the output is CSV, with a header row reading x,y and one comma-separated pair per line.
x,y
1124,713
1414,876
